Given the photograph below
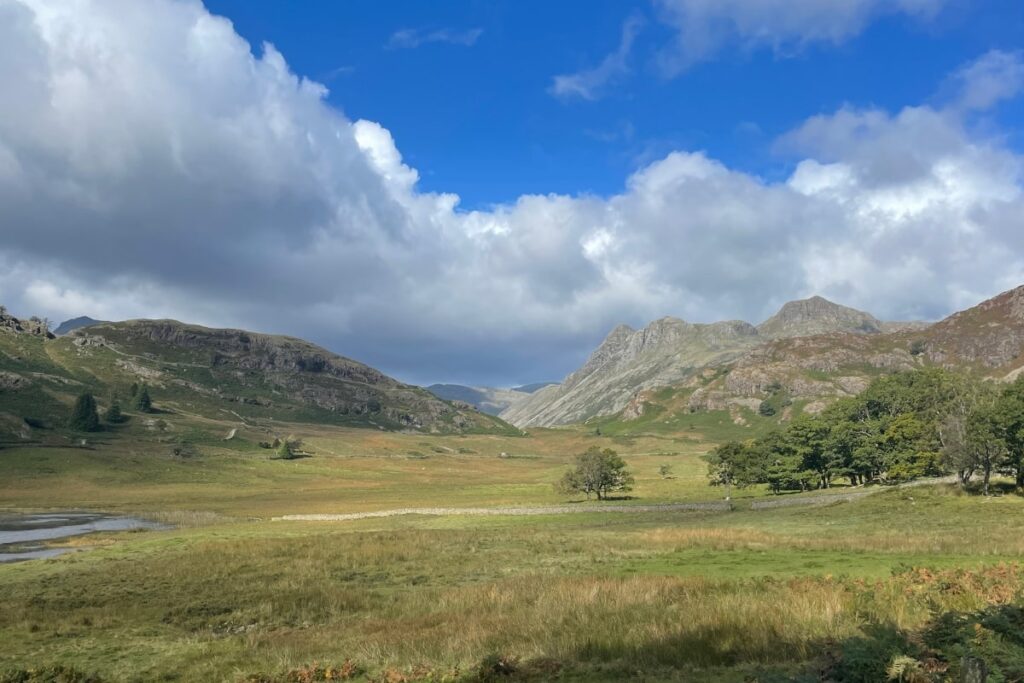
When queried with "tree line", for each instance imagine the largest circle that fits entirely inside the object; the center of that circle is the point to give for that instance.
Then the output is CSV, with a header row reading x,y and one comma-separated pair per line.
x,y
926,422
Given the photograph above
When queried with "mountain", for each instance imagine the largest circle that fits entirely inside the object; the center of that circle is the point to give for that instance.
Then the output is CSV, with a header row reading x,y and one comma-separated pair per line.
x,y
701,358
627,361
486,399
216,373
817,315
76,323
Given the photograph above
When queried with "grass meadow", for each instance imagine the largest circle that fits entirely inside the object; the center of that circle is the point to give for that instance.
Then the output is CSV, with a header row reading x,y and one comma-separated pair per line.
x,y
228,595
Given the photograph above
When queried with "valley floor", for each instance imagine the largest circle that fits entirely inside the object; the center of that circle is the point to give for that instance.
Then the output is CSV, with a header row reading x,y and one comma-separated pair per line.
x,y
653,594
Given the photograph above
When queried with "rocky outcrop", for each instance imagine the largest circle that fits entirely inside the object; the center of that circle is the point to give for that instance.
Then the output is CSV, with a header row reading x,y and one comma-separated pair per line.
x,y
990,334
33,326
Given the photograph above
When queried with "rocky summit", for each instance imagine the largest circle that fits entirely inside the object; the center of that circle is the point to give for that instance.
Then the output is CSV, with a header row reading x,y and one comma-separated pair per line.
x,y
672,352
807,354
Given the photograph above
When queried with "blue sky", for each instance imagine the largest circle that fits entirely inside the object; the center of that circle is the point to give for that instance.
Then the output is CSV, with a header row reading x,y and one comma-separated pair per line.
x,y
478,192
478,120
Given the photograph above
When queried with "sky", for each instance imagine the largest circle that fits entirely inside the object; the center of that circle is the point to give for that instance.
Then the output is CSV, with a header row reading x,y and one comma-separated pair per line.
x,y
478,191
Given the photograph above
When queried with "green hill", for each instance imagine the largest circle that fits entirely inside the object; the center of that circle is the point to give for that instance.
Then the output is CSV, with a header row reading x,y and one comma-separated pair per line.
x,y
214,373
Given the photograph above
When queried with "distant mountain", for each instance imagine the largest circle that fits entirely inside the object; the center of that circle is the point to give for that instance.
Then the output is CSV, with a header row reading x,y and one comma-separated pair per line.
x,y
672,352
216,372
75,324
486,399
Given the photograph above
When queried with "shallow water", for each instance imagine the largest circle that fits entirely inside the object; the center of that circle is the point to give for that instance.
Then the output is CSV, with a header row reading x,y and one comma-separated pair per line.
x,y
22,536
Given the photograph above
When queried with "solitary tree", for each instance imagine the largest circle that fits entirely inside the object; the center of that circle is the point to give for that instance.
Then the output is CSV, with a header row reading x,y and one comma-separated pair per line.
x,y
84,417
143,403
597,472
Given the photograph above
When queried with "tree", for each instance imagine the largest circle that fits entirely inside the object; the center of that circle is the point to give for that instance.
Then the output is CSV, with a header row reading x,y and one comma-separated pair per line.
x,y
114,414
665,471
956,453
985,443
734,464
143,403
599,472
1009,415
84,417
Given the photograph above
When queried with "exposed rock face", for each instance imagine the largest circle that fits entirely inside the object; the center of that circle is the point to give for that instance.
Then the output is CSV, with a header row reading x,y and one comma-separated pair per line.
x,y
990,334
824,366
665,352
33,326
817,315
12,380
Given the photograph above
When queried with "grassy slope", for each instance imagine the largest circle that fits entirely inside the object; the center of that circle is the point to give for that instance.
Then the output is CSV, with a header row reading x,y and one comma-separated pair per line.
x,y
183,380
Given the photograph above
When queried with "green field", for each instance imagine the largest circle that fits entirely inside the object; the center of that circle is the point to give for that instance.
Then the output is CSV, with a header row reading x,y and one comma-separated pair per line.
x,y
230,595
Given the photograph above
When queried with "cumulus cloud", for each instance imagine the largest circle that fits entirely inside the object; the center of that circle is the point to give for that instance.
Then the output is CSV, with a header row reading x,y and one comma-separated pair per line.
x,y
704,27
591,84
414,37
152,165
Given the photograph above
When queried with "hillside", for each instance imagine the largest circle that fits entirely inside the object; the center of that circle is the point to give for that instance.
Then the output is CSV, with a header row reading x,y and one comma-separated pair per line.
x,y
630,364
804,373
212,372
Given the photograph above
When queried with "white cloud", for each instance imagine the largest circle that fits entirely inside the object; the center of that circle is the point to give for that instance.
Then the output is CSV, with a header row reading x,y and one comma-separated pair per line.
x,y
704,27
993,77
408,38
591,84
151,165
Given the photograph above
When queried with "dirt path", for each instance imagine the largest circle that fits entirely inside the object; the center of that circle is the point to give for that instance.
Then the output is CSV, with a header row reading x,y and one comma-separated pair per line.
x,y
709,506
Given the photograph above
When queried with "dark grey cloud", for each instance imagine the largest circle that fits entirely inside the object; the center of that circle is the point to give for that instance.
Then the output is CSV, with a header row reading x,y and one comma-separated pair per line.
x,y
152,165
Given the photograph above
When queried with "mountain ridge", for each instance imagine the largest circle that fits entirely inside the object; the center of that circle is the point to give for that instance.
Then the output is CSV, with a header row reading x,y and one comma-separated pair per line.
x,y
670,351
